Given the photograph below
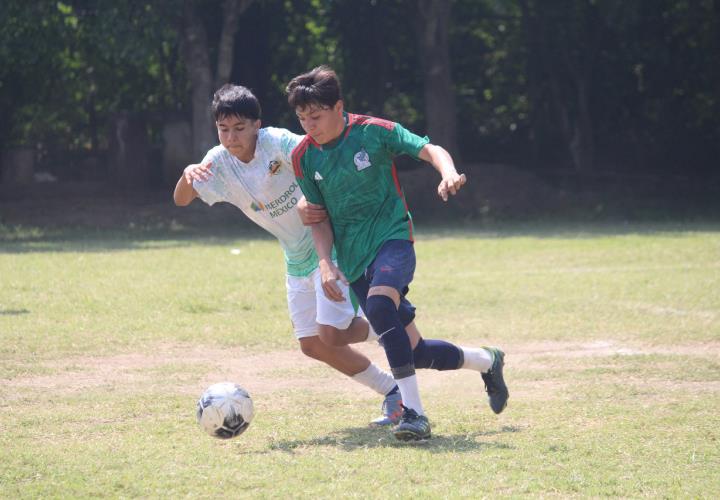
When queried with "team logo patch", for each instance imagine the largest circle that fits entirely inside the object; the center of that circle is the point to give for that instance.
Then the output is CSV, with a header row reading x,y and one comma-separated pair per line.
x,y
257,206
318,177
362,160
274,167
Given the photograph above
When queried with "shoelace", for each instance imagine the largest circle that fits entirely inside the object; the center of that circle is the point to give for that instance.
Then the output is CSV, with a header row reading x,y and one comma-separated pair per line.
x,y
409,413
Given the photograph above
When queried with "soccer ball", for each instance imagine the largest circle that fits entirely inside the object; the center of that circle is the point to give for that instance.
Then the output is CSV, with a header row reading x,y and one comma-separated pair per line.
x,y
225,410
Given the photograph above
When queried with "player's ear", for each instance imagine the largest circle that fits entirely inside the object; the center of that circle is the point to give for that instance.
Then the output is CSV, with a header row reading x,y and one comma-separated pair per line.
x,y
338,108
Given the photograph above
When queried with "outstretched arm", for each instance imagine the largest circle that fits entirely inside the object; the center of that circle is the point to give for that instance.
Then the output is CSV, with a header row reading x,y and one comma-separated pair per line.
x,y
184,191
439,158
323,237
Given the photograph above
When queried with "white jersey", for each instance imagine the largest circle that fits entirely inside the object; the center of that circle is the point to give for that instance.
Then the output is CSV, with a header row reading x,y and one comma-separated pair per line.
x,y
265,189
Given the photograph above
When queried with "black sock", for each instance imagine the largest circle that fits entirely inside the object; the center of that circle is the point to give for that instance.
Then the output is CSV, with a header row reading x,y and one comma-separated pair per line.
x,y
437,355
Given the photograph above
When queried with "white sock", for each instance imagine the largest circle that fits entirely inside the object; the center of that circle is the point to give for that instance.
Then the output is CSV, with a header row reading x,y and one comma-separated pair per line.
x,y
410,393
477,359
376,379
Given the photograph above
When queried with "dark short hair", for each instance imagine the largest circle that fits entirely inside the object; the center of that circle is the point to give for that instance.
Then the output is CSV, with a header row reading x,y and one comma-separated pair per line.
x,y
235,100
320,86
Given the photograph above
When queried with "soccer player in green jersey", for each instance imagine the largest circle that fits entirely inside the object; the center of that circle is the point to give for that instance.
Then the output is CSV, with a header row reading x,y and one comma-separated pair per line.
x,y
345,165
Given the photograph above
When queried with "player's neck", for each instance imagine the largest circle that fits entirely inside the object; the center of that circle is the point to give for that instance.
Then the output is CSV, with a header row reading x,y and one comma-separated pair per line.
x,y
245,158
339,129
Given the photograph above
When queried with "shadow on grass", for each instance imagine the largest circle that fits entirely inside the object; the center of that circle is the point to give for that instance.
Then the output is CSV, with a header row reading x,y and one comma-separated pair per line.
x,y
93,240
13,312
25,239
353,438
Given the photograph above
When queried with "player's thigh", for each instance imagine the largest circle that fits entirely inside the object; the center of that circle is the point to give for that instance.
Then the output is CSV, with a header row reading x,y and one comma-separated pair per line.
x,y
393,267
302,305
336,314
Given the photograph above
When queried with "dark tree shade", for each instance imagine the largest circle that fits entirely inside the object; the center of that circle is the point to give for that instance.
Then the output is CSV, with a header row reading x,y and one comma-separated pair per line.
x,y
583,86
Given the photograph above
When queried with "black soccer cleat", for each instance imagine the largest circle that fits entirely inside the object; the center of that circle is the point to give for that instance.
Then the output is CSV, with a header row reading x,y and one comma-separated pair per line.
x,y
495,383
412,427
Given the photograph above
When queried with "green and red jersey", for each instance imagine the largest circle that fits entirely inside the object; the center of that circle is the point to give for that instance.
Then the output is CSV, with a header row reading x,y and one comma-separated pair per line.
x,y
356,180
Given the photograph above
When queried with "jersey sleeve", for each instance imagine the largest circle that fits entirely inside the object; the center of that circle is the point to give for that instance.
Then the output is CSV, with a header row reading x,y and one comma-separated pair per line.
x,y
210,191
310,190
307,184
400,140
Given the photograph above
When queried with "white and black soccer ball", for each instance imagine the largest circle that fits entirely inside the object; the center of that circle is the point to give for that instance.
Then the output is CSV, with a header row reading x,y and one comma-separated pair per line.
x,y
225,410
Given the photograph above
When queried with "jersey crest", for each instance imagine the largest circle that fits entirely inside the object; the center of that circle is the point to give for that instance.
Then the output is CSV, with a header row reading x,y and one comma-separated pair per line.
x,y
273,167
362,160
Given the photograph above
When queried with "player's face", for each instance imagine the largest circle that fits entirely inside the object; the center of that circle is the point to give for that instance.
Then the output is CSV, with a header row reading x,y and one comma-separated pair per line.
x,y
322,123
238,135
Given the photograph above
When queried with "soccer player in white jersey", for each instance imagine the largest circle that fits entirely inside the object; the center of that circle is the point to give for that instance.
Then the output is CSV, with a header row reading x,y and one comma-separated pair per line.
x,y
252,169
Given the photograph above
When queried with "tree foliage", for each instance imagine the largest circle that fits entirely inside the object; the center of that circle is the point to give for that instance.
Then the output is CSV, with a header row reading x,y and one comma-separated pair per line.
x,y
583,84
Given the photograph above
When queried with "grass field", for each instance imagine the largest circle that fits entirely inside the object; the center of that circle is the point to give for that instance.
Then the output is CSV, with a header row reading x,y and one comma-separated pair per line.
x,y
612,338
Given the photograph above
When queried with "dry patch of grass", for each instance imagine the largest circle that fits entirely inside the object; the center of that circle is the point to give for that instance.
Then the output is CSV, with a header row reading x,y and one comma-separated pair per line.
x,y
534,369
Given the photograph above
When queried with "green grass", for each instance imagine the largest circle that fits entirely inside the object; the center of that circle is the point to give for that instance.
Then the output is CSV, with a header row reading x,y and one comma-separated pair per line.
x,y
613,362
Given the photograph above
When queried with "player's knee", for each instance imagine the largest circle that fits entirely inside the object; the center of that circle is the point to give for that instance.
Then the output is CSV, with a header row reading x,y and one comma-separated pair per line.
x,y
331,336
313,347
379,308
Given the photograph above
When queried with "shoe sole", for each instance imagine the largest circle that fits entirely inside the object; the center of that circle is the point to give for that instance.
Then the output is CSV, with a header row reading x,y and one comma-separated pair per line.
x,y
499,411
383,423
410,436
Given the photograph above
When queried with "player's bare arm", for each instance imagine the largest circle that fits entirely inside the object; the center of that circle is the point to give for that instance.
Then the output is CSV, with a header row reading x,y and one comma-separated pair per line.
x,y
323,238
441,160
184,191
310,213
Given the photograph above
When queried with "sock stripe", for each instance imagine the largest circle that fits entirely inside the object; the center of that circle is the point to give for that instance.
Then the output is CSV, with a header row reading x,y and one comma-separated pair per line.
x,y
400,372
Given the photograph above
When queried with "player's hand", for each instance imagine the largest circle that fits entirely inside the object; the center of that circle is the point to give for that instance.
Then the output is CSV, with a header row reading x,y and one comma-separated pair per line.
x,y
310,213
451,184
330,276
197,172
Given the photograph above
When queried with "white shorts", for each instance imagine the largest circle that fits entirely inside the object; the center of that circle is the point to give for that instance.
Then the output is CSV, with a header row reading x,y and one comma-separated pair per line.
x,y
309,306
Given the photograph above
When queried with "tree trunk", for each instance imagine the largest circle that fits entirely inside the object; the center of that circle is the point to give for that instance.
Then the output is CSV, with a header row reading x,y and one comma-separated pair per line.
x,y
569,76
433,35
582,145
177,150
196,52
533,65
17,166
129,151
232,9
198,63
